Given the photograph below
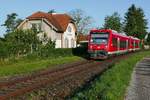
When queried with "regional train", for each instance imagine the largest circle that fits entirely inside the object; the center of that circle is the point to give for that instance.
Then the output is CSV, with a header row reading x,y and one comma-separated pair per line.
x,y
106,42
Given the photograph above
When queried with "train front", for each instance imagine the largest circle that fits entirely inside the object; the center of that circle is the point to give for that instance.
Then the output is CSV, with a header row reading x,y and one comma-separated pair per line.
x,y
98,44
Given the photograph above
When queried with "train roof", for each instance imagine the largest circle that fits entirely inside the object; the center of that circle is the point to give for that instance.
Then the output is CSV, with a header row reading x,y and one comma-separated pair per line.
x,y
135,38
108,30
119,34
114,32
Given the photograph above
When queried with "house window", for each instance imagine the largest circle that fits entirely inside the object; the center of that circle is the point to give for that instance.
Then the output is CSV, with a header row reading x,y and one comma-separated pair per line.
x,y
69,29
37,26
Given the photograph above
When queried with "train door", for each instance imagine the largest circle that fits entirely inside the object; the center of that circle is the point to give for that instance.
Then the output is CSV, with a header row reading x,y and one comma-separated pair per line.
x,y
118,41
127,43
134,45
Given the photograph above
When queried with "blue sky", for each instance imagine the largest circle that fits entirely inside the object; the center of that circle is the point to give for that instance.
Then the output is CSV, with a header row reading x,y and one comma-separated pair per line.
x,y
97,9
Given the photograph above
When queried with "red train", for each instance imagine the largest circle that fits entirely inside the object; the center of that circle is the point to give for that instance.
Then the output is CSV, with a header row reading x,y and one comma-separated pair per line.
x,y
106,42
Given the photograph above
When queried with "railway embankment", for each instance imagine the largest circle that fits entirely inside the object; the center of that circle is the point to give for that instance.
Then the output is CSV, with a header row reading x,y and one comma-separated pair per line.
x,y
56,84
139,88
112,84
105,79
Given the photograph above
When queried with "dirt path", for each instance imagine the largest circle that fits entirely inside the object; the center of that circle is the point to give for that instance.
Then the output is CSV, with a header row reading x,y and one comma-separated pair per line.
x,y
139,88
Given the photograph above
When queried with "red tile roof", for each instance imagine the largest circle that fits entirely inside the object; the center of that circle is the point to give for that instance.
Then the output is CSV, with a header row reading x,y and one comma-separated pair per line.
x,y
60,21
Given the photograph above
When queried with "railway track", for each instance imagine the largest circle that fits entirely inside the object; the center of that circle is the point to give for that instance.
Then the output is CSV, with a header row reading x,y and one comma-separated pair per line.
x,y
61,82
12,81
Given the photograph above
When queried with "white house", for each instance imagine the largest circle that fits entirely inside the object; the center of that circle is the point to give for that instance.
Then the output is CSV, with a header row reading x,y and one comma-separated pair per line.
x,y
58,27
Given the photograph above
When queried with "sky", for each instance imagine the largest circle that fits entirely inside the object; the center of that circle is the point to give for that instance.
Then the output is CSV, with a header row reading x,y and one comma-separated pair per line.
x,y
97,9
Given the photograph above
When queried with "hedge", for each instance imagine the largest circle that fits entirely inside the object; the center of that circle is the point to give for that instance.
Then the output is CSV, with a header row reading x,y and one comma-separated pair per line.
x,y
80,51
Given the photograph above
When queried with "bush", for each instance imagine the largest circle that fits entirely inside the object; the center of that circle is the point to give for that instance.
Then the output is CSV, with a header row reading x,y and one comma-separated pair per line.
x,y
80,51
20,43
52,52
4,50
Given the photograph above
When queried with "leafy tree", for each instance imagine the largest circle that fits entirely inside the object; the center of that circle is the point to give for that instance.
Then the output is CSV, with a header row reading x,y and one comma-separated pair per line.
x,y
3,51
113,22
18,21
135,24
148,39
2,39
82,21
11,22
16,41
22,41
52,11
48,48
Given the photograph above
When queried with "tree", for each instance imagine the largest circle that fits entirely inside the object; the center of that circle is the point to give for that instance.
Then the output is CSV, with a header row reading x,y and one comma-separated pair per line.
x,y
52,11
82,21
135,24
2,39
148,39
22,41
113,22
16,40
11,22
3,50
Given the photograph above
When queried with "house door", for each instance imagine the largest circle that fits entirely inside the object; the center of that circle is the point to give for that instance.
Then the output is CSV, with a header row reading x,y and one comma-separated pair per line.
x,y
72,43
66,43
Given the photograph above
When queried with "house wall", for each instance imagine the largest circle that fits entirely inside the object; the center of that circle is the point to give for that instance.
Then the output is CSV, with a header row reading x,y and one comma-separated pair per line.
x,y
69,38
24,25
53,35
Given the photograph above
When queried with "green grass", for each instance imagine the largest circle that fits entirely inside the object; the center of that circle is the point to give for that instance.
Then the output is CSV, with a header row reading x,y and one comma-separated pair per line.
x,y
112,84
26,65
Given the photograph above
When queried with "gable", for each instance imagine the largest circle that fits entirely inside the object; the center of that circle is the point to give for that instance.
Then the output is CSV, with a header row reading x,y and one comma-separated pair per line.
x,y
60,21
27,24
71,28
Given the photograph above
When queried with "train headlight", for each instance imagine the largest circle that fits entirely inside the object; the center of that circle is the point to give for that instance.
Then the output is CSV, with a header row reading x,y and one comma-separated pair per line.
x,y
111,44
91,46
91,40
98,47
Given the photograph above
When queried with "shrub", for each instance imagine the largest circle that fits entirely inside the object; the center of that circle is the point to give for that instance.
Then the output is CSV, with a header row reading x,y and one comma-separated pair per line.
x,y
25,42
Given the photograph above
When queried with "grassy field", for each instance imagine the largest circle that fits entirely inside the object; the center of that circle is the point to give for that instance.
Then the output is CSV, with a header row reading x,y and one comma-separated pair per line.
x,y
113,83
28,65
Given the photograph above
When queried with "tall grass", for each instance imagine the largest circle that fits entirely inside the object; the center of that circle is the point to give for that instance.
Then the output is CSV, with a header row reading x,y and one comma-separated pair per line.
x,y
27,65
113,83
39,60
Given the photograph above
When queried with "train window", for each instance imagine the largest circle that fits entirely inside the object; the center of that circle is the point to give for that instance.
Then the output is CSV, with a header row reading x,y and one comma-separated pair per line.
x,y
99,38
122,44
100,35
114,41
136,44
132,43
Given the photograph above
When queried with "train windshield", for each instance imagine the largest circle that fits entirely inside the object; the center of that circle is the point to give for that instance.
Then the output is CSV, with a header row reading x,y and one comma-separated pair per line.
x,y
99,38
